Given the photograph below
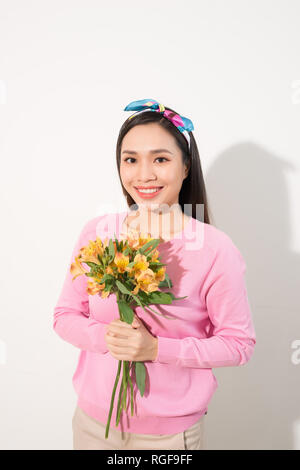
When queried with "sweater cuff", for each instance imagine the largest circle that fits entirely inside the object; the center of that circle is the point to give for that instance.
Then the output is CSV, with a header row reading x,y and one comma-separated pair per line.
x,y
168,350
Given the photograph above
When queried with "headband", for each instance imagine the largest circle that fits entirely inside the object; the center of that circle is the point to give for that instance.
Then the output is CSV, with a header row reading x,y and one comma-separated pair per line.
x,y
183,124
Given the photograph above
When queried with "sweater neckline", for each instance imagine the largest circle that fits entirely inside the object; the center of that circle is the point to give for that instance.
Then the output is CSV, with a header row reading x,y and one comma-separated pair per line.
x,y
177,236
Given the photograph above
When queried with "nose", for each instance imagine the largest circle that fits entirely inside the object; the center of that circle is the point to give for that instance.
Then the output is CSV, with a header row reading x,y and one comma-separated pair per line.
x,y
146,172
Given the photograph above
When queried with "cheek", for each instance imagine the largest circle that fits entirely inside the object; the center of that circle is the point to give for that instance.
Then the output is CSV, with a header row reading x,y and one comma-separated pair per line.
x,y
125,175
169,176
127,169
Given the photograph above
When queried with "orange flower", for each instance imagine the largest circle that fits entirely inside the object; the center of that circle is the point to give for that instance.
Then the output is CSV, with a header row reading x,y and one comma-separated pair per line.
x,y
160,275
121,261
140,265
146,282
136,239
109,270
76,268
94,288
91,251
154,256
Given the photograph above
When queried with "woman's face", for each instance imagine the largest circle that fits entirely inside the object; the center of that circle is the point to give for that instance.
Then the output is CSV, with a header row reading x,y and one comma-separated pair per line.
x,y
150,157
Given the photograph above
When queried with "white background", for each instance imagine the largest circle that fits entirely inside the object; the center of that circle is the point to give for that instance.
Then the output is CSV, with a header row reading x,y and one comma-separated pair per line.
x,y
67,70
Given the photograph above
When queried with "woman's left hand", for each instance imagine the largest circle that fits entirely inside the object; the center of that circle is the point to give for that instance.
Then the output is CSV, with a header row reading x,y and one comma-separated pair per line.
x,y
131,342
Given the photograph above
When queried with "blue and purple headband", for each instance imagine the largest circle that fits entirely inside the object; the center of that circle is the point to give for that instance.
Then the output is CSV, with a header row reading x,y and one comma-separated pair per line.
x,y
183,124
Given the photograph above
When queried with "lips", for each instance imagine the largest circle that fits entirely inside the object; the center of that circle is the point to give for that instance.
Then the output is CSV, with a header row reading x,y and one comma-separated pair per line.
x,y
149,195
148,187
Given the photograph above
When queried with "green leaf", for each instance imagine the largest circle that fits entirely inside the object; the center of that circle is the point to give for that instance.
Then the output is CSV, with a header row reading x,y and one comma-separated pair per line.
x,y
122,288
129,265
140,373
158,297
111,248
143,296
155,264
126,251
108,277
126,311
100,259
176,298
138,301
179,298
92,265
117,242
151,243
107,288
166,282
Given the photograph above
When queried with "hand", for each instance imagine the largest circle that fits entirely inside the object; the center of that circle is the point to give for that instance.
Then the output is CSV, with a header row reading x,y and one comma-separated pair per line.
x,y
131,342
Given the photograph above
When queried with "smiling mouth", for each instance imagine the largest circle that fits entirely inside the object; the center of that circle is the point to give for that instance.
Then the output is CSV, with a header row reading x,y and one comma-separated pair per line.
x,y
152,188
149,191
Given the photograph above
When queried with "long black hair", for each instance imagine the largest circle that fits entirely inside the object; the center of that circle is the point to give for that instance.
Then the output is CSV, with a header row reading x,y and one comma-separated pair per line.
x,y
193,190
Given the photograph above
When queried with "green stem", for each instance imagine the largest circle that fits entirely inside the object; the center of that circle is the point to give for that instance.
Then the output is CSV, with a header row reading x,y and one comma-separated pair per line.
x,y
125,385
119,407
112,400
123,388
131,390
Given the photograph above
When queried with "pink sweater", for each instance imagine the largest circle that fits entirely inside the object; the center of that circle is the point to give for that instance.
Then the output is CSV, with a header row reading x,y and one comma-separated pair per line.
x,y
212,327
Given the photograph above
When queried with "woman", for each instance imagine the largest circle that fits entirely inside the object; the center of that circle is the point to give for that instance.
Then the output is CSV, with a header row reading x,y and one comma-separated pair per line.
x,y
161,177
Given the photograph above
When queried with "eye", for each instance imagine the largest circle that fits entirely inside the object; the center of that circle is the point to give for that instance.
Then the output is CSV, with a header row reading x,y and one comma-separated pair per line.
x,y
158,158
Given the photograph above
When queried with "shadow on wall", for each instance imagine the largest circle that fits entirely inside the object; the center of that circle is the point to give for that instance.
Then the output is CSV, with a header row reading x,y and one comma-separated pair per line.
x,y
257,405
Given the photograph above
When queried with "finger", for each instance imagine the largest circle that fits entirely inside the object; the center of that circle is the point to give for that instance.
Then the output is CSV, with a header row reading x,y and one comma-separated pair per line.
x,y
118,341
120,323
120,350
121,331
116,335
122,357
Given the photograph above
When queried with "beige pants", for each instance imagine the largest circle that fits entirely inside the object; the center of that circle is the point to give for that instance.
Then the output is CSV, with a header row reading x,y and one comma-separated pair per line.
x,y
89,434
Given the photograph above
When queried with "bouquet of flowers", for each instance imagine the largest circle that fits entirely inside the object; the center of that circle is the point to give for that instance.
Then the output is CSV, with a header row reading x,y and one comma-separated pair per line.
x,y
129,268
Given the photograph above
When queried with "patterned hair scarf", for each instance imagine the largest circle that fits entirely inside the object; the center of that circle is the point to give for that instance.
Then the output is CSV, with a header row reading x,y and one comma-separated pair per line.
x,y
182,123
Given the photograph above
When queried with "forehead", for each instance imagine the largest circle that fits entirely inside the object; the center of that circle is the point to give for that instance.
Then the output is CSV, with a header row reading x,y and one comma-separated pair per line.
x,y
149,136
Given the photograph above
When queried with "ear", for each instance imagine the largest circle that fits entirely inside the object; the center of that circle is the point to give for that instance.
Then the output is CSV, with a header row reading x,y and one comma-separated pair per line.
x,y
187,169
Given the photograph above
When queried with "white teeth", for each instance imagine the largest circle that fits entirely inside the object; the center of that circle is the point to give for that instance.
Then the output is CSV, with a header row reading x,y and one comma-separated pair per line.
x,y
146,191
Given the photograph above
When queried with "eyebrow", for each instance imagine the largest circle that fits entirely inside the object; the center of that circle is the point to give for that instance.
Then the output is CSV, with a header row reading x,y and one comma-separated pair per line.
x,y
132,152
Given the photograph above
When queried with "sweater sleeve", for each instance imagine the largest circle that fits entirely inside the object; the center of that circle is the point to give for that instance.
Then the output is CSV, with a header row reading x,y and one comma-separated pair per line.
x,y
233,336
71,314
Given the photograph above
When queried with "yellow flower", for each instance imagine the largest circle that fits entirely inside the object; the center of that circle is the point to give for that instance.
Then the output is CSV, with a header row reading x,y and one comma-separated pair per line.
x,y
105,294
121,261
109,270
94,288
160,275
146,282
90,252
135,238
154,256
76,268
140,264
106,242
144,238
